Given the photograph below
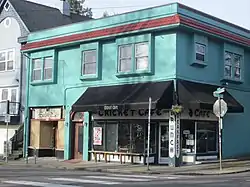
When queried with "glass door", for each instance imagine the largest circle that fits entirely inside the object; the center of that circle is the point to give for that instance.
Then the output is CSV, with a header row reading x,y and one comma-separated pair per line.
x,y
206,138
163,143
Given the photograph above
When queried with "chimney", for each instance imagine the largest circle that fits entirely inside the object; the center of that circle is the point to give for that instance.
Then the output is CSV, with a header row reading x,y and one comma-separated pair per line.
x,y
64,7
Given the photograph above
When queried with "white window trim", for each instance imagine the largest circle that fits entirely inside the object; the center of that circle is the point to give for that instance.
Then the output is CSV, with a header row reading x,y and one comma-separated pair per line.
x,y
232,65
85,62
125,58
7,2
34,69
6,61
198,52
142,56
9,95
45,68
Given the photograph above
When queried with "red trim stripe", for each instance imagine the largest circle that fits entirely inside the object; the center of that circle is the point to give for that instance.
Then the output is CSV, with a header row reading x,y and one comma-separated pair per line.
x,y
134,27
212,30
105,32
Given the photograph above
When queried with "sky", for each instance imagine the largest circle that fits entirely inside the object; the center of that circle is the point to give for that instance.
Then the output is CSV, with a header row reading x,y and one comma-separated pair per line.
x,y
237,12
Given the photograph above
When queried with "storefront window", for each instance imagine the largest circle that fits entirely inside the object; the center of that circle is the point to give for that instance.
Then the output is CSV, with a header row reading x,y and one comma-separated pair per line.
x,y
137,137
130,137
111,136
206,137
188,136
122,136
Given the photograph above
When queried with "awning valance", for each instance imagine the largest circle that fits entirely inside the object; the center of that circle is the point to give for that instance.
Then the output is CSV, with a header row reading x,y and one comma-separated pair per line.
x,y
162,94
126,96
202,94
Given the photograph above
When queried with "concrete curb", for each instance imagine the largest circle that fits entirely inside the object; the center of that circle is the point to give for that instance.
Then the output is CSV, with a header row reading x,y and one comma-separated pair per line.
x,y
110,170
213,174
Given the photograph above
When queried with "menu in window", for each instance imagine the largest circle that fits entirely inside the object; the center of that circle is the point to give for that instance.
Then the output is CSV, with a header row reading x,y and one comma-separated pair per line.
x,y
97,132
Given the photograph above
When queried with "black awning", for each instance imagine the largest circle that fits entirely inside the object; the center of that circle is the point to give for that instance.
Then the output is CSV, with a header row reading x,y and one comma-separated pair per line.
x,y
202,94
124,96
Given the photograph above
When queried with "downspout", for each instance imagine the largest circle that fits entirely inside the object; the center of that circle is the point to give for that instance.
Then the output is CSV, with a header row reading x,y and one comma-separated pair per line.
x,y
20,108
65,93
26,113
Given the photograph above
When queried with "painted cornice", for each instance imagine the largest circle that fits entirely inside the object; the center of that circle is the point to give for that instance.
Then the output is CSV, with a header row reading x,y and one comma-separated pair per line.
x,y
153,24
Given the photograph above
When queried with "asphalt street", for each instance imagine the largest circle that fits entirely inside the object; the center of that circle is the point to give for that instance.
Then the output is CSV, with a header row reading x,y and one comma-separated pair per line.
x,y
22,176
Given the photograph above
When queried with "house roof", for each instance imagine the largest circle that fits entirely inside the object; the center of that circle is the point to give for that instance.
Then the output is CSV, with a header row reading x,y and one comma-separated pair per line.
x,y
38,17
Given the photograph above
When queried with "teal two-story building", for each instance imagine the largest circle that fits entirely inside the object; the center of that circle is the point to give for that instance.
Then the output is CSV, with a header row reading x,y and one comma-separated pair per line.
x,y
90,85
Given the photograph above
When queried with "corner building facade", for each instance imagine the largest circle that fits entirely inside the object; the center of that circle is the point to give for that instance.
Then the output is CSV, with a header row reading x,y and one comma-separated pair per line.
x,y
105,73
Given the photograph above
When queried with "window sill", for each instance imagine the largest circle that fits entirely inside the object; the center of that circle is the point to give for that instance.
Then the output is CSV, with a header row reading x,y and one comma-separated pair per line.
x,y
89,77
199,64
42,82
232,80
136,73
5,71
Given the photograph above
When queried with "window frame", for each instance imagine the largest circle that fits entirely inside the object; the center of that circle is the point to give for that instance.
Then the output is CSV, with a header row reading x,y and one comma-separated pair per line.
x,y
203,41
198,52
84,62
42,56
9,97
133,41
90,47
143,56
134,69
6,51
125,58
232,65
7,4
43,68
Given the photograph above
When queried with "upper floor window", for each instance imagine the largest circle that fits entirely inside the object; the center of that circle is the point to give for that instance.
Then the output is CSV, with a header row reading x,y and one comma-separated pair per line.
x,y
232,67
7,60
10,94
133,56
89,61
42,68
200,52
125,58
37,69
7,6
141,56
48,67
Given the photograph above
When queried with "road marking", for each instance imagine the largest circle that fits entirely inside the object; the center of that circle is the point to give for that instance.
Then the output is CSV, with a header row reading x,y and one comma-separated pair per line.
x,y
117,178
41,184
135,176
84,181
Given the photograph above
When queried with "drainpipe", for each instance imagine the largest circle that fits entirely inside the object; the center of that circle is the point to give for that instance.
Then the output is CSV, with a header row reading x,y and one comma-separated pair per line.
x,y
20,87
65,93
27,113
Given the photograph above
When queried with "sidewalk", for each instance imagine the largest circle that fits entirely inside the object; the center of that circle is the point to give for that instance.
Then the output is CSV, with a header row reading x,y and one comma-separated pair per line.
x,y
229,167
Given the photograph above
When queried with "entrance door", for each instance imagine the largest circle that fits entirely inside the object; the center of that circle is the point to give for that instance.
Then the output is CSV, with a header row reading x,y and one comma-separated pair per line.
x,y
163,143
78,137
